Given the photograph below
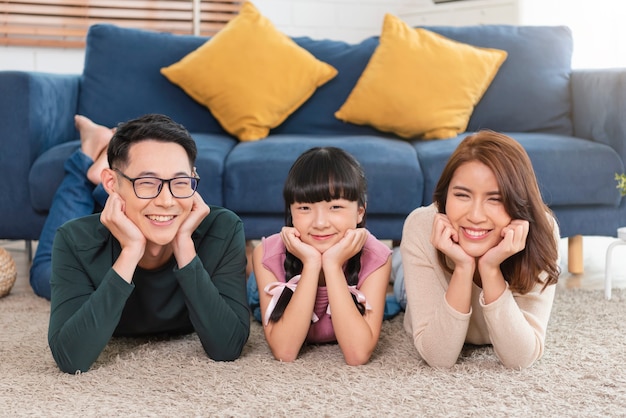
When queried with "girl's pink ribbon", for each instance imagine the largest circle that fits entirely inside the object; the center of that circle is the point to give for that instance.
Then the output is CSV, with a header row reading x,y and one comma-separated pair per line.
x,y
275,289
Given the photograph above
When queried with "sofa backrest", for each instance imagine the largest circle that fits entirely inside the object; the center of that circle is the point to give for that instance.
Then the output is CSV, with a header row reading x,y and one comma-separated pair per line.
x,y
317,114
531,92
121,80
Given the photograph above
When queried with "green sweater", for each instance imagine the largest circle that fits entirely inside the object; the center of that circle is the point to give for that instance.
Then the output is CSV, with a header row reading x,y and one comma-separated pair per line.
x,y
90,302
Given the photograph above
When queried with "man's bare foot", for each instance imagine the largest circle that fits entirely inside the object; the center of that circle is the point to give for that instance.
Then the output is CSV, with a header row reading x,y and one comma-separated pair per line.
x,y
94,140
94,172
93,137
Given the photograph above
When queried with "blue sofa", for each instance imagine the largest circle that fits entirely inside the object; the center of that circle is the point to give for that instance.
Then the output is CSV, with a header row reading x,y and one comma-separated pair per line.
x,y
571,122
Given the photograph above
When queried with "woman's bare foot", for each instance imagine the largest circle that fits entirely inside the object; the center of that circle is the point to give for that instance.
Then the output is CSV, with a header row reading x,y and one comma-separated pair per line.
x,y
94,140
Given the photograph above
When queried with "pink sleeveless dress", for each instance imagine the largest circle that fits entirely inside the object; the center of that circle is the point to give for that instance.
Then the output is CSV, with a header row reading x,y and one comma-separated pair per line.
x,y
373,256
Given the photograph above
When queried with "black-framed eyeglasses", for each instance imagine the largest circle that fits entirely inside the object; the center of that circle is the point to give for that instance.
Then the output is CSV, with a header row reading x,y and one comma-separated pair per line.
x,y
181,187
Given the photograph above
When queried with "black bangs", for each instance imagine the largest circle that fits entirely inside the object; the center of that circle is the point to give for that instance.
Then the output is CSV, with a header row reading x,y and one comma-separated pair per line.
x,y
323,178
323,174
316,186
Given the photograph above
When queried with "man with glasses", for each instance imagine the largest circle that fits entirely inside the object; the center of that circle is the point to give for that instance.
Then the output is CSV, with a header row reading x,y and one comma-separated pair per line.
x,y
157,260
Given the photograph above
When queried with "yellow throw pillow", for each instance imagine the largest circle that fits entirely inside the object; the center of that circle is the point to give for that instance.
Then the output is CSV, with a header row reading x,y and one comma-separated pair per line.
x,y
420,84
250,75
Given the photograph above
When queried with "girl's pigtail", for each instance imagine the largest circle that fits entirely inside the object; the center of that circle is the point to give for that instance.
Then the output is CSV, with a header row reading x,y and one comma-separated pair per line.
x,y
293,267
353,267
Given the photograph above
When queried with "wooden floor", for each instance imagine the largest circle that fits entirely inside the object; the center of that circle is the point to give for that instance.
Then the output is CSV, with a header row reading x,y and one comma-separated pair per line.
x,y
594,255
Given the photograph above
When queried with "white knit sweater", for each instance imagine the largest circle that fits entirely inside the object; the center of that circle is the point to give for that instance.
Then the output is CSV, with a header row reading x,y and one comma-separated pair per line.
x,y
514,324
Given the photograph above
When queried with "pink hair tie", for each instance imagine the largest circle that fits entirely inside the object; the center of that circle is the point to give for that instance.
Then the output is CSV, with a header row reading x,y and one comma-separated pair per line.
x,y
276,289
360,297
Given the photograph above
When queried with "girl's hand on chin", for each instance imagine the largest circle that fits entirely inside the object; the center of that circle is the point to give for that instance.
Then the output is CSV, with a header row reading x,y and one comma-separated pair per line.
x,y
293,243
348,246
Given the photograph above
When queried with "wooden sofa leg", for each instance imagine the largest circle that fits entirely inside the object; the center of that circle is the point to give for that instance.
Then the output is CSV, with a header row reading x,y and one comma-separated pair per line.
x,y
575,254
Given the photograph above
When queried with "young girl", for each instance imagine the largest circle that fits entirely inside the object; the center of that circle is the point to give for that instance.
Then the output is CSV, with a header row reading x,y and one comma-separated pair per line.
x,y
324,277
481,262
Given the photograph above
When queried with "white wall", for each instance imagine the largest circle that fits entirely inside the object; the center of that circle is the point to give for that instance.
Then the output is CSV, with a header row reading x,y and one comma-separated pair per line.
x,y
597,27
52,60
347,20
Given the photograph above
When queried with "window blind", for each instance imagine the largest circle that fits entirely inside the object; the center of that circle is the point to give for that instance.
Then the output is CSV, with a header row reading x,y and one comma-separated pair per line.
x,y
64,23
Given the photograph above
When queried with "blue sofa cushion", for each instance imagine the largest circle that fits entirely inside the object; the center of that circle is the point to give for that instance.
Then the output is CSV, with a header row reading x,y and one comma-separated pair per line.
x,y
256,172
559,161
531,90
47,172
121,78
211,163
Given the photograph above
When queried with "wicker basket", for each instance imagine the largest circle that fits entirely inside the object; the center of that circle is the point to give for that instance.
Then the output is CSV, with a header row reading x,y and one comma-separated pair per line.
x,y
8,273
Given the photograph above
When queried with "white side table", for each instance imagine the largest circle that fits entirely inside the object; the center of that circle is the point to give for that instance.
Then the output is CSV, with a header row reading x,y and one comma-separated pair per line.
x,y
621,234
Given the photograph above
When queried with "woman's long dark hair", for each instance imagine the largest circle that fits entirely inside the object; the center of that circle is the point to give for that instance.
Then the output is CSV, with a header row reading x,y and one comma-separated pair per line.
x,y
521,197
322,174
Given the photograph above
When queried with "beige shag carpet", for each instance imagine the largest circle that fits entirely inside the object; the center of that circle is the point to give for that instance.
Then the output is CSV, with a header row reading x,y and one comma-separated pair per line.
x,y
583,373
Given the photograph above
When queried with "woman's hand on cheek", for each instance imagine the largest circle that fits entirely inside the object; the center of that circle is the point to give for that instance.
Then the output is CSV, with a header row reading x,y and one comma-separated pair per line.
x,y
513,241
348,246
446,239
293,243
114,218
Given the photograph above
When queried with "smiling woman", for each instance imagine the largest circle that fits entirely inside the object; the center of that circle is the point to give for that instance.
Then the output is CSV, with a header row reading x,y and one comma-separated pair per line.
x,y
64,23
481,262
